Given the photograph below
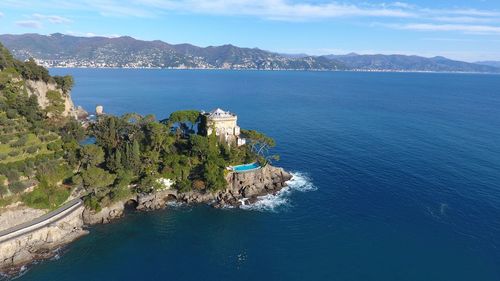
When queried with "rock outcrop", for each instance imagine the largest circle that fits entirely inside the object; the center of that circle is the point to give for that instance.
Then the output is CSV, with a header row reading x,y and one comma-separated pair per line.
x,y
247,185
156,200
251,184
40,243
41,88
105,215
16,214
143,202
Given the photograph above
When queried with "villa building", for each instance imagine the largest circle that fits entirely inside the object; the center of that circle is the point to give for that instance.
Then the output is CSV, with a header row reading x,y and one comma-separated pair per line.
x,y
224,124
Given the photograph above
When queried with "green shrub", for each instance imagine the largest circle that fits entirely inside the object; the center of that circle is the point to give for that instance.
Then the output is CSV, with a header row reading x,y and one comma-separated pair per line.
x,y
32,149
14,153
46,196
11,113
54,146
3,189
21,141
76,180
11,173
92,203
17,187
5,139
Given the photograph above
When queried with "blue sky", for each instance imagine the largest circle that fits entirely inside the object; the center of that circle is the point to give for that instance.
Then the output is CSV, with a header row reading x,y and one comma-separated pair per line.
x,y
466,30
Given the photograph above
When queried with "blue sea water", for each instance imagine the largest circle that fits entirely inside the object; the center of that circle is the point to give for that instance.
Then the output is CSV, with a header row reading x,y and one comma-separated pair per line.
x,y
397,177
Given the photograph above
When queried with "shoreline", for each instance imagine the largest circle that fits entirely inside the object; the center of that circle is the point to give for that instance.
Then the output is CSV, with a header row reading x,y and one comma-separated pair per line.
x,y
42,243
279,70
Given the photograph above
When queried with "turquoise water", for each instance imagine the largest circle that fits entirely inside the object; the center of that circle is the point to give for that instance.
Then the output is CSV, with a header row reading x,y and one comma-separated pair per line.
x,y
246,167
397,177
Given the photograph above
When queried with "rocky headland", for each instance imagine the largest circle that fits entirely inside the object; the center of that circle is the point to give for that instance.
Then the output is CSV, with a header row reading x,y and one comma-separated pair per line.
x,y
41,243
242,188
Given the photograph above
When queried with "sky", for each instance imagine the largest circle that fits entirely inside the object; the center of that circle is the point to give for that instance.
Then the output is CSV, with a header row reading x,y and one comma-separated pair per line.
x,y
459,29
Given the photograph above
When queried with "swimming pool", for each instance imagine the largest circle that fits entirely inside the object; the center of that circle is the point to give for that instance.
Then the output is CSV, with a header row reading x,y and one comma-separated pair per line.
x,y
246,167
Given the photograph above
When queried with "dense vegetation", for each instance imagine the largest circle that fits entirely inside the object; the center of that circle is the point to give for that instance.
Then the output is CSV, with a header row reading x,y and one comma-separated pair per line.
x,y
134,151
43,160
37,153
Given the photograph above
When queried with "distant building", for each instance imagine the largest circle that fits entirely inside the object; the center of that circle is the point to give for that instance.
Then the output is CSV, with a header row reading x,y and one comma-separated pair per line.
x,y
224,123
99,110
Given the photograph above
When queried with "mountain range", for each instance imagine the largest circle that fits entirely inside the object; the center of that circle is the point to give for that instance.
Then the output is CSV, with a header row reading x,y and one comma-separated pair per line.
x,y
490,63
60,50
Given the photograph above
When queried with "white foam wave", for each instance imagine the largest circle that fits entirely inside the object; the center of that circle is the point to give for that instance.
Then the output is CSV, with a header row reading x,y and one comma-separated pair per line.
x,y
268,203
301,182
175,204
273,203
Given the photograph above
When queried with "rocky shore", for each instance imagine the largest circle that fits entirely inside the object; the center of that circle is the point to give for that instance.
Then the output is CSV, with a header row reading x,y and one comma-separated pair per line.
x,y
41,243
242,187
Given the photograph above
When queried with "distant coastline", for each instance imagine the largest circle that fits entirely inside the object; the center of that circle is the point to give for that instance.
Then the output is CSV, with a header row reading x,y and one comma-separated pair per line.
x,y
61,50
277,70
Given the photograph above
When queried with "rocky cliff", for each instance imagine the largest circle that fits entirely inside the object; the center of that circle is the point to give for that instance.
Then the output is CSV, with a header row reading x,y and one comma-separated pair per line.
x,y
40,89
41,242
246,185
249,186
15,214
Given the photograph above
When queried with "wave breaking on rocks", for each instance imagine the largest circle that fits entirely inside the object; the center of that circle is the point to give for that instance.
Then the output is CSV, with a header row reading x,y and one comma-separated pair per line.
x,y
300,182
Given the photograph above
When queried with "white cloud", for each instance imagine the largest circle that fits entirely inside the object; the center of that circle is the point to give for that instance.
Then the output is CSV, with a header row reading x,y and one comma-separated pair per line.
x,y
29,24
278,9
91,34
1,14
409,16
480,29
52,18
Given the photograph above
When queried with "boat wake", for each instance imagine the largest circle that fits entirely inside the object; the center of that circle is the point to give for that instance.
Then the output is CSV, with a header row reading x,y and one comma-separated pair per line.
x,y
300,182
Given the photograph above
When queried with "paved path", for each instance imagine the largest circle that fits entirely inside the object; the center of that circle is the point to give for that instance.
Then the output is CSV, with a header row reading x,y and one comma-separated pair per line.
x,y
41,221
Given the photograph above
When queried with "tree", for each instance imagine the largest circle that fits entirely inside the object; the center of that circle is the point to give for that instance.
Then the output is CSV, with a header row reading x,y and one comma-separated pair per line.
x,y
91,155
183,116
199,146
186,119
70,152
214,176
156,135
259,143
114,161
95,179
52,172
132,160
72,130
65,83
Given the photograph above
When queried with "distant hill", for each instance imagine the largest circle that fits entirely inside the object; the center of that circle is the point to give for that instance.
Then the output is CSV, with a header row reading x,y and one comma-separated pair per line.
x,y
59,50
489,63
409,63
71,51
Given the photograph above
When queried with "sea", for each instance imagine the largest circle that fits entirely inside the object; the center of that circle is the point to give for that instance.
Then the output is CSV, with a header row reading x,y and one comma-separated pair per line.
x,y
396,177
